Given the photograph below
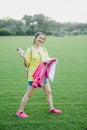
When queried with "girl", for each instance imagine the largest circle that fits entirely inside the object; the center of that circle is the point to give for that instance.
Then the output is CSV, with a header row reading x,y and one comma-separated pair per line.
x,y
33,57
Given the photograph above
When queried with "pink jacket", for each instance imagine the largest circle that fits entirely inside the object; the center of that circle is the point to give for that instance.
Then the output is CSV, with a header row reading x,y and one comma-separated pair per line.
x,y
42,72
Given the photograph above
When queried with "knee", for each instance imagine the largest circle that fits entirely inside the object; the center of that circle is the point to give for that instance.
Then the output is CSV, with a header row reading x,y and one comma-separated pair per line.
x,y
29,92
49,92
28,95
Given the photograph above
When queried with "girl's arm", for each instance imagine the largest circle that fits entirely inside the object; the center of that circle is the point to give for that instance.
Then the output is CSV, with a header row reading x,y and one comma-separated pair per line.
x,y
26,63
25,56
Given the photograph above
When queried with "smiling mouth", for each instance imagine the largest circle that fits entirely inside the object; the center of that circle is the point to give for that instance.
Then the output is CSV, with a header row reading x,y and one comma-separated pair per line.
x,y
40,41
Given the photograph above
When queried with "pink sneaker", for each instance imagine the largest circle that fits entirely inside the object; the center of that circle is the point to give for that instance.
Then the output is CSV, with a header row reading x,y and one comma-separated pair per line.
x,y
55,111
21,114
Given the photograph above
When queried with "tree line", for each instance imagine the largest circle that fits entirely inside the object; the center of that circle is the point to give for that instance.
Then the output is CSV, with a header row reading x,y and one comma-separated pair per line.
x,y
29,25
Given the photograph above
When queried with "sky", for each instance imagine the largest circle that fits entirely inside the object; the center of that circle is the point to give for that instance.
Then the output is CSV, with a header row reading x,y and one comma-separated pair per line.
x,y
58,10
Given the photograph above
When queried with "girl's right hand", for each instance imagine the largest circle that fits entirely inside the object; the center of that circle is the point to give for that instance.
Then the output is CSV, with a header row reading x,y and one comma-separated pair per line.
x,y
21,52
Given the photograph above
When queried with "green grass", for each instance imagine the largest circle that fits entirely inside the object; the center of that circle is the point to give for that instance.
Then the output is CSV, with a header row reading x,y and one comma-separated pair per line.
x,y
69,86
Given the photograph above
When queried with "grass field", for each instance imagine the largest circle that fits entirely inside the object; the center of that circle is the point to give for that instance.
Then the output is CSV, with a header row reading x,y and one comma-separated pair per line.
x,y
69,86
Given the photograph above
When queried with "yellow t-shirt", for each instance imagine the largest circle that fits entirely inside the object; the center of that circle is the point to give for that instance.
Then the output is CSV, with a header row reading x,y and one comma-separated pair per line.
x,y
34,58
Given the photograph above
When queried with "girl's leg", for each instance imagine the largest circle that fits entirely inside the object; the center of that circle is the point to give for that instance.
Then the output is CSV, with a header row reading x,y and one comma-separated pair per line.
x,y
48,93
25,98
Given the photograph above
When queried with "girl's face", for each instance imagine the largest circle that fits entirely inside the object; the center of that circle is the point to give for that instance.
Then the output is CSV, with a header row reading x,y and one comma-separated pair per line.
x,y
40,39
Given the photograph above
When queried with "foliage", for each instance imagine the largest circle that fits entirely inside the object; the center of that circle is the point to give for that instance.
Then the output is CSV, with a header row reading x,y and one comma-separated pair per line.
x,y
29,25
5,32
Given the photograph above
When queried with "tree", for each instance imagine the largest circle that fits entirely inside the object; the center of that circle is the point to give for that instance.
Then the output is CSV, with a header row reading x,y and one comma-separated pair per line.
x,y
27,19
29,25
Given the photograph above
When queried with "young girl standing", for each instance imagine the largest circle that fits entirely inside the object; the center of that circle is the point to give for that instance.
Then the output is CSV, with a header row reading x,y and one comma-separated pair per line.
x,y
33,57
